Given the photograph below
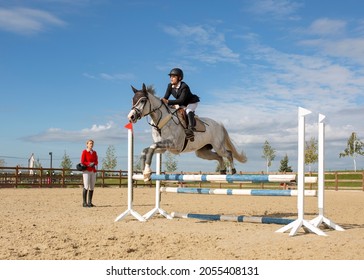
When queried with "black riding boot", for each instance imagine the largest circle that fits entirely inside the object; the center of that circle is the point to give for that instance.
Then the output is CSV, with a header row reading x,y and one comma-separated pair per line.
x,y
84,196
90,194
191,126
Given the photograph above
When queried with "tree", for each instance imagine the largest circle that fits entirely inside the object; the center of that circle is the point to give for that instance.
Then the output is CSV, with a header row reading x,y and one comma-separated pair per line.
x,y
311,155
268,154
137,167
170,162
354,147
66,162
109,162
284,165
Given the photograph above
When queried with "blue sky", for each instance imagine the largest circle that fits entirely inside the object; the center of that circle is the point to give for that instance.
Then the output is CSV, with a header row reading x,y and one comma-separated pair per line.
x,y
66,67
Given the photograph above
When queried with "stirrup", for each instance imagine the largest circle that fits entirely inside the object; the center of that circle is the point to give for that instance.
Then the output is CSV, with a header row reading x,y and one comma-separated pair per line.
x,y
189,134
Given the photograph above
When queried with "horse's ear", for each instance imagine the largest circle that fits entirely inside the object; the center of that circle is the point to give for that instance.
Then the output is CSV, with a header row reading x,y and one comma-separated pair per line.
x,y
134,89
144,88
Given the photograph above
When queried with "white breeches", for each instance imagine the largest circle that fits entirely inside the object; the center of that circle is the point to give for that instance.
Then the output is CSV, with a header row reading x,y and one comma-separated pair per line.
x,y
89,180
191,107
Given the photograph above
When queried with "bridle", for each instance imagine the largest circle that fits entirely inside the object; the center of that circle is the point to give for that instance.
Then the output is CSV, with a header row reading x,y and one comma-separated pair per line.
x,y
139,113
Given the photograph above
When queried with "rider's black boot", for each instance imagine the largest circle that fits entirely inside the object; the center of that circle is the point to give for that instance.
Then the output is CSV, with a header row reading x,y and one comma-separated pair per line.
x,y
191,126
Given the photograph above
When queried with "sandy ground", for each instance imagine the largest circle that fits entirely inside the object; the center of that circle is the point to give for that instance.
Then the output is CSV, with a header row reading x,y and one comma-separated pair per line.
x,y
51,224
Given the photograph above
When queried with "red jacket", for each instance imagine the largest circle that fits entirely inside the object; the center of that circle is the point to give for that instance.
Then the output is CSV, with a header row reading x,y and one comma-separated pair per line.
x,y
88,157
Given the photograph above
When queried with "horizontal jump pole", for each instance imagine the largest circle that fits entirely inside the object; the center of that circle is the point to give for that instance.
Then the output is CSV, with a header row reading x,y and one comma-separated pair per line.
x,y
251,192
254,178
232,218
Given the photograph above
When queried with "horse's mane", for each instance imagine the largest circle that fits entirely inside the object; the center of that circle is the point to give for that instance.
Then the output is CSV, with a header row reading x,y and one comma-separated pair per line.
x,y
151,89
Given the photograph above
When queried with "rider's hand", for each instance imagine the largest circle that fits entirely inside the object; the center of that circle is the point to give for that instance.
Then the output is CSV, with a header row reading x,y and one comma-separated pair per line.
x,y
91,164
165,101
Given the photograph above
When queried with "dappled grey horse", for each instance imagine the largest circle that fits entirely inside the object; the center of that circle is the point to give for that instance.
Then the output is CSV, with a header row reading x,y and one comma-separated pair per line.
x,y
212,143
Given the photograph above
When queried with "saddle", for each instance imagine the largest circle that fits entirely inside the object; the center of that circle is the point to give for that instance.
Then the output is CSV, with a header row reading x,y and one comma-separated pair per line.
x,y
182,116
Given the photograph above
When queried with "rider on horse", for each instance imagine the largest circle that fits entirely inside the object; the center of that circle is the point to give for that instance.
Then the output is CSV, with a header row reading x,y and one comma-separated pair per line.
x,y
184,97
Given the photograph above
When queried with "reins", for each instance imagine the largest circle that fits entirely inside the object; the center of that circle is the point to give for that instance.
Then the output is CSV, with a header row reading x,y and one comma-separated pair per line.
x,y
161,122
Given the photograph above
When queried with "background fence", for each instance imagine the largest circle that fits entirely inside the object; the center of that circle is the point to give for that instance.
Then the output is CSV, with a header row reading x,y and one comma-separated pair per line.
x,y
22,177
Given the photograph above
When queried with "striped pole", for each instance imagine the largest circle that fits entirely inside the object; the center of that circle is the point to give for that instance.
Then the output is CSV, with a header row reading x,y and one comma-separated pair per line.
x,y
232,218
249,192
254,178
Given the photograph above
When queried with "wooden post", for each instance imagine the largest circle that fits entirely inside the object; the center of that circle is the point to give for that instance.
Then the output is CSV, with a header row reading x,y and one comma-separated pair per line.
x,y
63,177
16,176
41,177
103,177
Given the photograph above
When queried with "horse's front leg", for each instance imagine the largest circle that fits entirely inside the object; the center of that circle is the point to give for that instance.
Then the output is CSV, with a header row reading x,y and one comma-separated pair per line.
x,y
143,158
159,147
148,156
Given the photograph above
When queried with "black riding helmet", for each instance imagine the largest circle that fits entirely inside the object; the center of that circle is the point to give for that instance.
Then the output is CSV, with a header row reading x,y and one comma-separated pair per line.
x,y
176,71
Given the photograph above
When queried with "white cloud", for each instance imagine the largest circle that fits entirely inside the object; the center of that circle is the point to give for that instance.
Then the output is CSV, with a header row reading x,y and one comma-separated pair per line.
x,y
278,9
331,39
326,26
110,77
267,110
118,76
27,21
346,48
203,43
104,133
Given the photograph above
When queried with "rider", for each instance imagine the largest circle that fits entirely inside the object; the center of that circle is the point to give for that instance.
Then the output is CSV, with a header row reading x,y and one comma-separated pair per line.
x,y
184,97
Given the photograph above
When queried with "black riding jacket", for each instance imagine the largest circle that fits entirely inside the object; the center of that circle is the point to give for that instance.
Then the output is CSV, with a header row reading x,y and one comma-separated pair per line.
x,y
183,95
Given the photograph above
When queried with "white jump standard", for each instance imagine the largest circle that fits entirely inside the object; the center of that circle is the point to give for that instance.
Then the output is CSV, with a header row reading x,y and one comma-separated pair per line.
x,y
301,222
130,209
321,219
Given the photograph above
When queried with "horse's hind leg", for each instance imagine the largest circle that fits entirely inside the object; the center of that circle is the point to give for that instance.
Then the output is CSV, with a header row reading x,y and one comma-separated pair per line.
x,y
223,152
206,153
231,161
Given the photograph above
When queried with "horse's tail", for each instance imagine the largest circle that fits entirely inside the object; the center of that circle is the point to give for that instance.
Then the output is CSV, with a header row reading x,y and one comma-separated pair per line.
x,y
241,157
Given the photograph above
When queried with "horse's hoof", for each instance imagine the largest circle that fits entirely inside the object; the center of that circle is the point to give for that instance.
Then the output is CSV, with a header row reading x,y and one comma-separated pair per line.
x,y
146,177
233,171
223,172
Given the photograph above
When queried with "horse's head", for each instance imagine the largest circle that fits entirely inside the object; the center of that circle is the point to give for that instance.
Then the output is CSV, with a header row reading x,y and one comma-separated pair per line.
x,y
140,99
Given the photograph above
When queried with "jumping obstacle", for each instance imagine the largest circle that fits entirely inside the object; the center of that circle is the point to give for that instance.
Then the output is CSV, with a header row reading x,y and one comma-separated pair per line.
x,y
294,225
300,221
230,178
233,218
251,192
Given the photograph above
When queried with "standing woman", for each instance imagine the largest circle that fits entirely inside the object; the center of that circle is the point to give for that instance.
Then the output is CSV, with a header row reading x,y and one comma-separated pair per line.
x,y
90,160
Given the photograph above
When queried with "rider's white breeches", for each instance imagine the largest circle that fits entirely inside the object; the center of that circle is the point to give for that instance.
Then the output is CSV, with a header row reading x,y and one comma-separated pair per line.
x,y
191,107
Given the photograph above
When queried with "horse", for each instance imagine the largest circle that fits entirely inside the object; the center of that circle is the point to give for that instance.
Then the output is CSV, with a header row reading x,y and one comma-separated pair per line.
x,y
168,134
